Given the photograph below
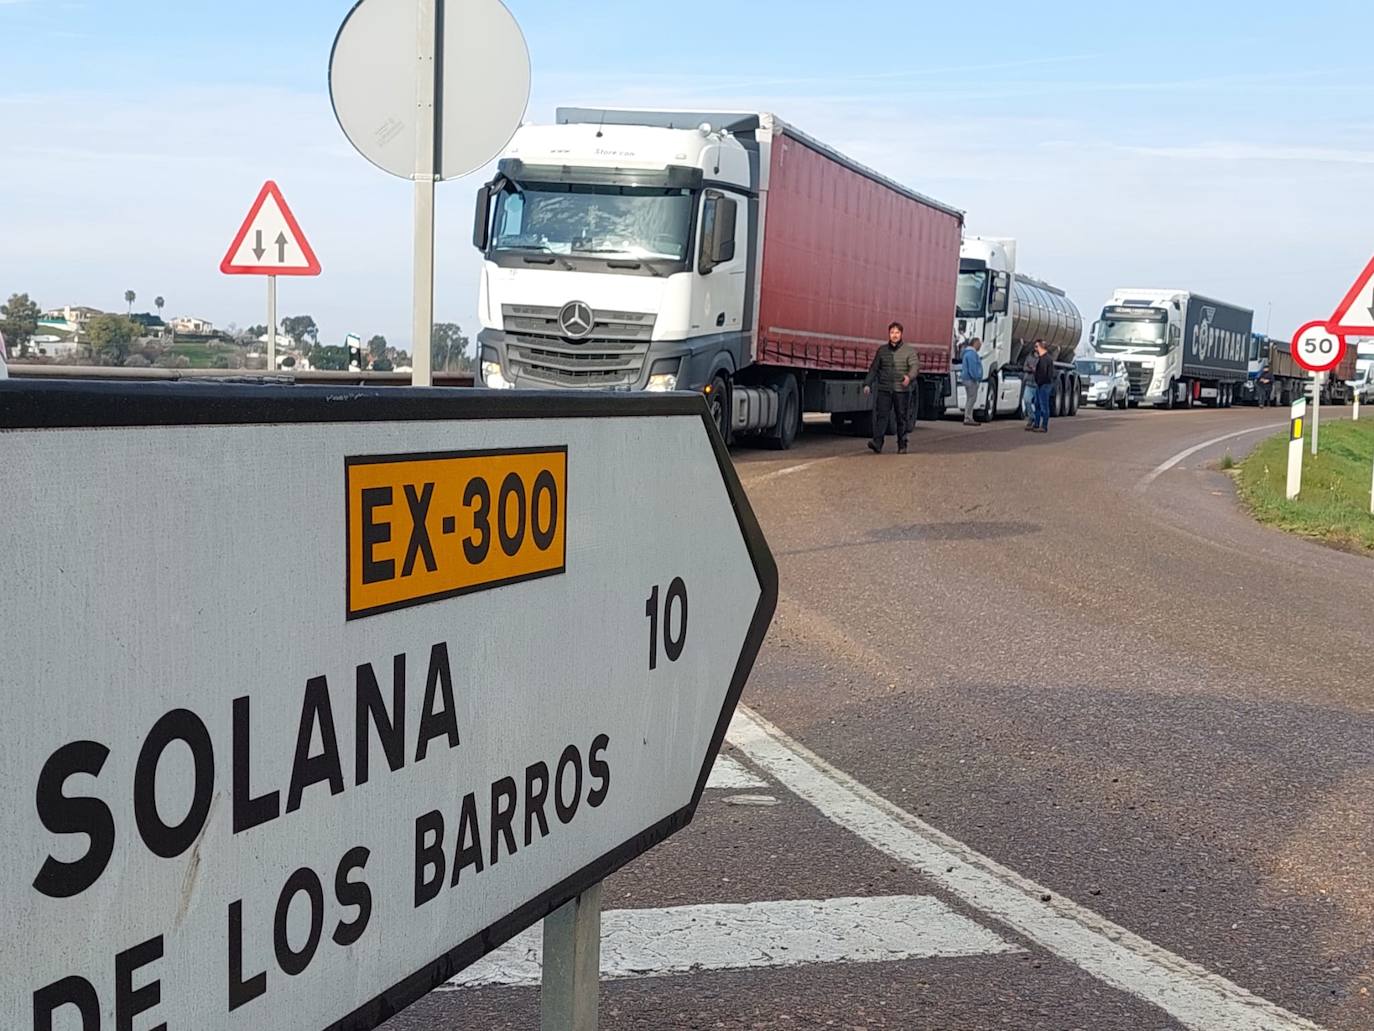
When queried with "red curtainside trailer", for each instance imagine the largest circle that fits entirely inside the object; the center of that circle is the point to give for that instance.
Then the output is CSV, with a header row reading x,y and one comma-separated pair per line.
x,y
845,252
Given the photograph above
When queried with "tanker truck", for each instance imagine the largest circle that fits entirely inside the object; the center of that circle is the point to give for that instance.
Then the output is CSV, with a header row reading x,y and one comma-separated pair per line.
x,y
1180,348
718,252
1008,312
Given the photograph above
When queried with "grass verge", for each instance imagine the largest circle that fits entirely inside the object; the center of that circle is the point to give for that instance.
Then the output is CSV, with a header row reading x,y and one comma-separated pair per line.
x,y
1334,504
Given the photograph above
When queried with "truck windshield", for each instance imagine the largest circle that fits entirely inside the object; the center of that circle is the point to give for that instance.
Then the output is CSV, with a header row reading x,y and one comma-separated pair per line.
x,y
1136,334
579,220
970,300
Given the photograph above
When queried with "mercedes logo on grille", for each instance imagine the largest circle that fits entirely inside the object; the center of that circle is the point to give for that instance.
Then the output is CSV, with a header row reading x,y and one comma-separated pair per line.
x,y
576,320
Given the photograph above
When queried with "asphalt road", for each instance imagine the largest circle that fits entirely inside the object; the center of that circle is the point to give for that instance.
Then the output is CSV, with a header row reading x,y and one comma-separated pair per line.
x,y
1121,736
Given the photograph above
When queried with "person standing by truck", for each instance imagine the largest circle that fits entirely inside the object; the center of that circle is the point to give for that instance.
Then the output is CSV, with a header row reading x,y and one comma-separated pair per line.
x,y
970,375
894,367
1264,386
1028,387
1044,387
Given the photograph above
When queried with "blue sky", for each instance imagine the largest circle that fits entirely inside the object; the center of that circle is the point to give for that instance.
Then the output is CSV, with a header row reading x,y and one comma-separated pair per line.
x,y
1210,146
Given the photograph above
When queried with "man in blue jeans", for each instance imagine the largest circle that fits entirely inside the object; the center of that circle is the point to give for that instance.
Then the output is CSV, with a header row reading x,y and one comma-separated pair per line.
x,y
1044,387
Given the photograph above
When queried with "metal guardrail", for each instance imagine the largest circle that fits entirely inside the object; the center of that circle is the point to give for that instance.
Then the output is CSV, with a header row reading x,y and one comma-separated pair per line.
x,y
19,370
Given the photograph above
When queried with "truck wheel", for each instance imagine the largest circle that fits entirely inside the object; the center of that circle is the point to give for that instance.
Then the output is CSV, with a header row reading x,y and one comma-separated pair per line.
x,y
718,401
989,411
789,415
1073,398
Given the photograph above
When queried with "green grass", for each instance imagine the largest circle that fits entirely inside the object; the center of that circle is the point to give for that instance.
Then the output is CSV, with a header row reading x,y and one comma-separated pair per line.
x,y
1333,506
201,355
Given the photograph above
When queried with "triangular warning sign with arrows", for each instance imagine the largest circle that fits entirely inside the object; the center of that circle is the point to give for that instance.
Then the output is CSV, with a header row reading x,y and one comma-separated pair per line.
x,y
270,241
1355,314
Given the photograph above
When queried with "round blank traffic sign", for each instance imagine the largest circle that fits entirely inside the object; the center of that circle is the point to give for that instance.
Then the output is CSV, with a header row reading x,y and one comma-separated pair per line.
x,y
481,62
1316,348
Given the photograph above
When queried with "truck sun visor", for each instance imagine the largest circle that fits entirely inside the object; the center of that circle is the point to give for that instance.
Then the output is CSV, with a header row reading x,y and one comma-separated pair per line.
x,y
673,177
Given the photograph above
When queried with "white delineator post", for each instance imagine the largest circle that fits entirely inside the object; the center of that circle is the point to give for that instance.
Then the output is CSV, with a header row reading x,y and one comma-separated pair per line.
x,y
572,964
271,323
1296,413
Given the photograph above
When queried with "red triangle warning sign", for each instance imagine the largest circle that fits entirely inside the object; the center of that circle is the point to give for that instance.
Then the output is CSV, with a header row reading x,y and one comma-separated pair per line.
x,y
270,241
1355,314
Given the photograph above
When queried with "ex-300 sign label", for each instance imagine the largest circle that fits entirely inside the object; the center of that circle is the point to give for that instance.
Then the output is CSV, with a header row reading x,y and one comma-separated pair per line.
x,y
427,526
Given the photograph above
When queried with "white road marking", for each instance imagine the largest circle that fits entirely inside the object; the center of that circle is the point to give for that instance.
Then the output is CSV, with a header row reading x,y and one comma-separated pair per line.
x,y
731,775
1193,996
1164,467
787,471
734,936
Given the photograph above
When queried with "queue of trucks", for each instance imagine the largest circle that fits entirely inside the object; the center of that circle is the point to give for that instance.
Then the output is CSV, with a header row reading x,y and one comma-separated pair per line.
x,y
733,255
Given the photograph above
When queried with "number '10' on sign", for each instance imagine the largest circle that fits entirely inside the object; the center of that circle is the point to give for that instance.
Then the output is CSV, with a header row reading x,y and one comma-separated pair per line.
x,y
673,621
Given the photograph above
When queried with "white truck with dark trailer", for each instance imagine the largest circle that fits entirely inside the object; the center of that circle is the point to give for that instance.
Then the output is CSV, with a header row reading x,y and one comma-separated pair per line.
x,y
1181,349
1008,312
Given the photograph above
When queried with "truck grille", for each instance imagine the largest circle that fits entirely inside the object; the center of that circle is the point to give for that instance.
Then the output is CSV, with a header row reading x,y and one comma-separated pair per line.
x,y
612,355
1139,377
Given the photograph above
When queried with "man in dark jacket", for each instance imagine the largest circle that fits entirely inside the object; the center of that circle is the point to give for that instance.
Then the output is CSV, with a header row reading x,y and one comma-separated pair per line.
x,y
893,369
1044,388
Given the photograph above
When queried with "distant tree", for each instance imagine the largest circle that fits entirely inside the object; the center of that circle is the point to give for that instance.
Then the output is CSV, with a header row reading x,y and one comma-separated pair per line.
x,y
289,362
19,322
130,297
376,348
110,337
446,345
136,361
382,364
221,361
159,303
324,357
302,328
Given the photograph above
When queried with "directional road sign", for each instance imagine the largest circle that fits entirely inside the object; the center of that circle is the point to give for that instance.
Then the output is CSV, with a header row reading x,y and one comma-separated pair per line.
x,y
270,241
486,657
1355,313
1317,348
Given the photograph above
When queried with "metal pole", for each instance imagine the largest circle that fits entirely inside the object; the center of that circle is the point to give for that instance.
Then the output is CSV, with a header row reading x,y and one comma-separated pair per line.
x,y
426,46
271,323
1316,407
572,964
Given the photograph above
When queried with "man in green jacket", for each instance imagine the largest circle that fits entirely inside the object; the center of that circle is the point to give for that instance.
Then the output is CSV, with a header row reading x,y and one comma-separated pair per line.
x,y
891,374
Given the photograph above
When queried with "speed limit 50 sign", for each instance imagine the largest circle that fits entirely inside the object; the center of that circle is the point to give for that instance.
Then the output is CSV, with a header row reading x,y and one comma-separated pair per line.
x,y
1317,348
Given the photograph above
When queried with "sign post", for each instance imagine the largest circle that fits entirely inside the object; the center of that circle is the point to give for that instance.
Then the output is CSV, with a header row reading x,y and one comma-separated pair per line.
x,y
428,90
270,243
1317,348
511,669
1295,419
1316,409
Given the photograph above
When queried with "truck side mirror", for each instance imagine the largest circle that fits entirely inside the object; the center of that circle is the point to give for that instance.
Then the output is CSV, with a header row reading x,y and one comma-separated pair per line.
x,y
717,231
998,294
481,220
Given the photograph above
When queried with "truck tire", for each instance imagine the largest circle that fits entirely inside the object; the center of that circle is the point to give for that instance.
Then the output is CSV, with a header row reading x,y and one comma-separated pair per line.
x,y
718,402
989,409
789,415
1073,398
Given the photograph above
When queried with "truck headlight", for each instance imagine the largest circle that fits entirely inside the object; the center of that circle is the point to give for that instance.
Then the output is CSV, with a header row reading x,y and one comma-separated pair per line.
x,y
661,382
663,376
492,377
